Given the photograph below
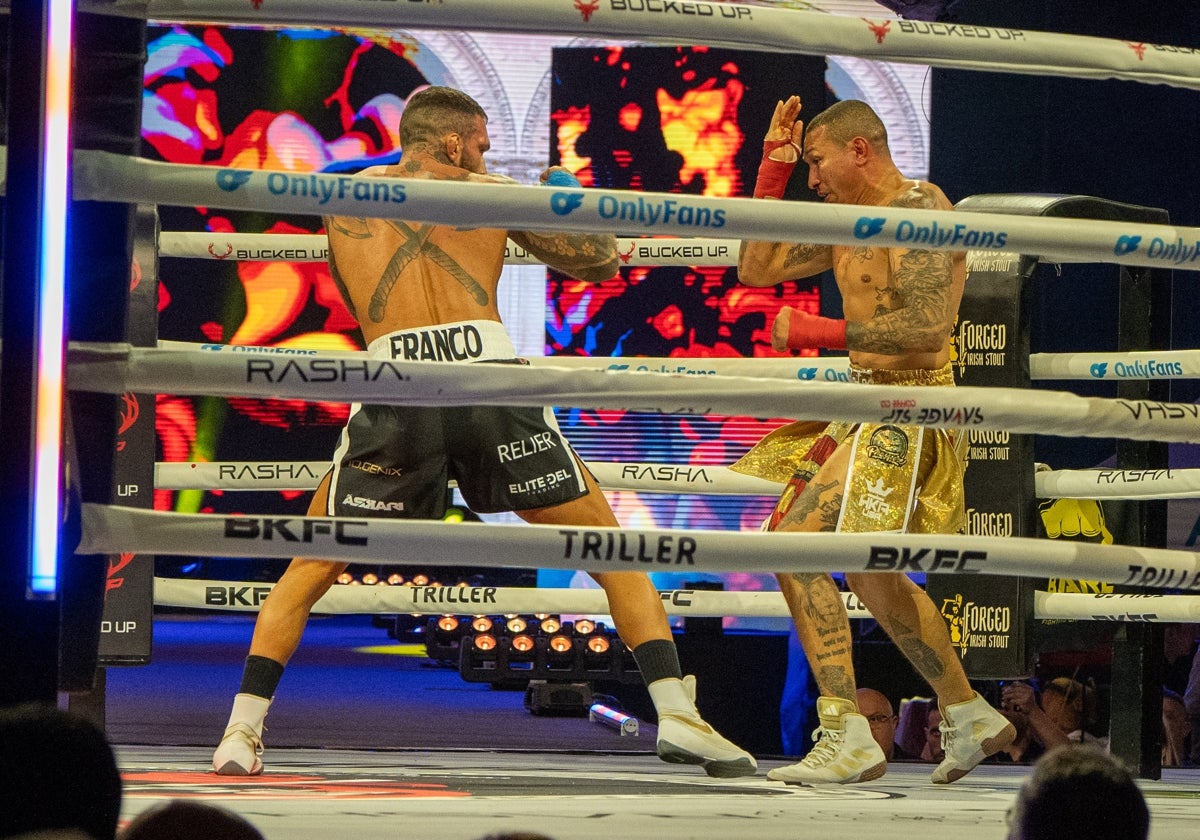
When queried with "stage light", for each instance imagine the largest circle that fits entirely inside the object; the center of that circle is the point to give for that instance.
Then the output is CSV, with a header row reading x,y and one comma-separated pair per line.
x,y
395,579
370,579
345,578
623,723
481,624
420,580
598,645
448,624
516,624
585,626
550,625
484,642
522,643
560,645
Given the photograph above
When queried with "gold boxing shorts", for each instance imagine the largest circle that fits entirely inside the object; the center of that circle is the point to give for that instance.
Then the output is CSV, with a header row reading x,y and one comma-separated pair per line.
x,y
900,478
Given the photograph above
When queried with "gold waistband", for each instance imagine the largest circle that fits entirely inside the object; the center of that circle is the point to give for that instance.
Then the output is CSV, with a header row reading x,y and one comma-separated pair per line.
x,y
920,376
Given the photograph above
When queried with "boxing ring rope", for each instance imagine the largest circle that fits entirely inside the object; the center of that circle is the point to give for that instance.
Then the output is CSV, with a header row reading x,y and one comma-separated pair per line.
x,y
109,177
1144,364
117,368
962,46
695,603
698,479
113,529
310,247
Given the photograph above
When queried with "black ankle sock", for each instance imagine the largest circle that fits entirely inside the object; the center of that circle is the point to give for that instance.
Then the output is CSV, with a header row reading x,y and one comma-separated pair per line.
x,y
658,659
260,677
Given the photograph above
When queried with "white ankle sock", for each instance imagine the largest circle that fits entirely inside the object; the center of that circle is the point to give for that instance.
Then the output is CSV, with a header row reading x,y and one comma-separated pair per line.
x,y
250,710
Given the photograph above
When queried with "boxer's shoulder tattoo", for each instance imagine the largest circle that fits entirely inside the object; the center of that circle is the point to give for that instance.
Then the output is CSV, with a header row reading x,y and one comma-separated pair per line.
x,y
922,196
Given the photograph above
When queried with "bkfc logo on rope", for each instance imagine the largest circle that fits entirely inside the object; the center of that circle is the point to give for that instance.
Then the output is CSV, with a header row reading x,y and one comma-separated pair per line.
x,y
977,626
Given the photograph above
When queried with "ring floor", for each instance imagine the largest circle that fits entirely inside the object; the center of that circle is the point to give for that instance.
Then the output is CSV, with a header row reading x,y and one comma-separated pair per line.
x,y
465,795
365,743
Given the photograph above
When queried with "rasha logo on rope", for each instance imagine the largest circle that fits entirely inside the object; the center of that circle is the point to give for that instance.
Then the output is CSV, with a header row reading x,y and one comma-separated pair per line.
x,y
881,29
228,250
625,256
1099,369
587,9
1139,49
230,179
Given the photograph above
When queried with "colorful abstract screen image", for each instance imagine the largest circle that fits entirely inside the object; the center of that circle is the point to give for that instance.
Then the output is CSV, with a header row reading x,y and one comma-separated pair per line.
x,y
689,121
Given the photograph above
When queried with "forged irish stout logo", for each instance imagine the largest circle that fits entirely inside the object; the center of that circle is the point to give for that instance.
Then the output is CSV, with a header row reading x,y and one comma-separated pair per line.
x,y
975,625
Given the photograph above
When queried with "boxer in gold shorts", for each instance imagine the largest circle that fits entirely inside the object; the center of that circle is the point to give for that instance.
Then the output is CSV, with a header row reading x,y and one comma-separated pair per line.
x,y
901,304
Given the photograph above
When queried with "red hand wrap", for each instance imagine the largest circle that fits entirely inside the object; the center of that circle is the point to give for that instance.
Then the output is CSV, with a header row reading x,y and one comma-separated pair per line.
x,y
773,175
807,332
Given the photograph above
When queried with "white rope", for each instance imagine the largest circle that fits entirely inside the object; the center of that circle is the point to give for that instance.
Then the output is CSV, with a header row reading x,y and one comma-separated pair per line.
x,y
1143,485
1146,364
117,368
474,600
308,247
114,529
700,603
692,479
104,176
1138,365
721,24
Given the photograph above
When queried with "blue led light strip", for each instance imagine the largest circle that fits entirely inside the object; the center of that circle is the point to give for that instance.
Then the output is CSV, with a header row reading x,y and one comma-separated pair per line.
x,y
56,115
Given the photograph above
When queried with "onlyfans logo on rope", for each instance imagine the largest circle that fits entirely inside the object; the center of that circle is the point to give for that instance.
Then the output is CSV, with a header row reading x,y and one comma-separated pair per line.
x,y
1179,252
940,236
324,188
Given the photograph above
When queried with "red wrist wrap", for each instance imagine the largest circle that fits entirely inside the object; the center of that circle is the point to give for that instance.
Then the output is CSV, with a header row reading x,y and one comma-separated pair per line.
x,y
773,175
807,332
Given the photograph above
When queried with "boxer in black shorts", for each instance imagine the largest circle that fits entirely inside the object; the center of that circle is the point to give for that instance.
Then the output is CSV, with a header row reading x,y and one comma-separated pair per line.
x,y
428,292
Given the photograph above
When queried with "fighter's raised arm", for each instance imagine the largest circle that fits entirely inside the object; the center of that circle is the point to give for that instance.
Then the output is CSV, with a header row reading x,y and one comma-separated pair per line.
x,y
763,263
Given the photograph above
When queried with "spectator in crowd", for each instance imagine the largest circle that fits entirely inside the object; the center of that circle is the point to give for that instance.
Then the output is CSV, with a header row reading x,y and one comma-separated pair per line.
x,y
932,750
185,819
57,772
1078,790
1191,702
1176,732
877,709
1065,711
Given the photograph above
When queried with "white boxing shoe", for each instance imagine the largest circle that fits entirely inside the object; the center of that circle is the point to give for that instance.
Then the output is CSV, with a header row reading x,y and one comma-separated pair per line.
x,y
971,731
239,753
241,748
685,738
845,752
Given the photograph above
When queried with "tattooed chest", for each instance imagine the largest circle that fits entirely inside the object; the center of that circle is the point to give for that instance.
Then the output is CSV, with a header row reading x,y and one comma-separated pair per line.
x,y
865,277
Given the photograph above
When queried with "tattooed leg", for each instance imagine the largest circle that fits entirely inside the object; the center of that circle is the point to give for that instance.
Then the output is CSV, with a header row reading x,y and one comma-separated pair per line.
x,y
820,615
914,623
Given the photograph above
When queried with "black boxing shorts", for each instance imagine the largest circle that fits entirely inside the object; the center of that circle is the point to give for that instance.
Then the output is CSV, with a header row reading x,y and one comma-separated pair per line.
x,y
396,460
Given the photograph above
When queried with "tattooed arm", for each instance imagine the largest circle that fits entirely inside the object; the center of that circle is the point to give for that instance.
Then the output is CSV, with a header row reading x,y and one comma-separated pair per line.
x,y
772,263
922,292
586,256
